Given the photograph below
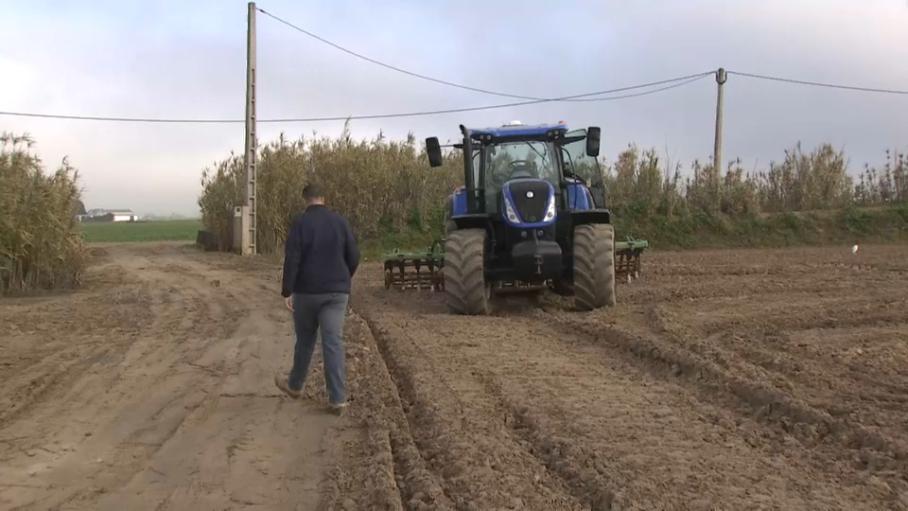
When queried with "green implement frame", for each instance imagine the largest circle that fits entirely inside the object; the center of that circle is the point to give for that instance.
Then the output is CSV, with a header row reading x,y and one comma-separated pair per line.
x,y
416,270
423,270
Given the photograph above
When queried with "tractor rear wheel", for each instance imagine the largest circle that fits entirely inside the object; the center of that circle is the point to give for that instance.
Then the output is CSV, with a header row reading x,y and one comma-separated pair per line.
x,y
594,266
465,283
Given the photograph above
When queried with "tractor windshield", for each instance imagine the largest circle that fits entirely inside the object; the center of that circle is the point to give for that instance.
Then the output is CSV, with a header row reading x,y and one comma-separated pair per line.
x,y
515,160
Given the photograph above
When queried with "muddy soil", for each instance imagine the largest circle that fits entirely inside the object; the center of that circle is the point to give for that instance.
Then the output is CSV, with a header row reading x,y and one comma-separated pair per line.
x,y
737,379
151,388
724,379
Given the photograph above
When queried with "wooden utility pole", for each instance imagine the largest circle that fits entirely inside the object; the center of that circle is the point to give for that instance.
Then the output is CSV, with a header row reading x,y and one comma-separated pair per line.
x,y
249,159
718,164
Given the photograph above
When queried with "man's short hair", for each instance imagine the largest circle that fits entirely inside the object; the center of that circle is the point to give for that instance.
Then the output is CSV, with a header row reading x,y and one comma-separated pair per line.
x,y
312,191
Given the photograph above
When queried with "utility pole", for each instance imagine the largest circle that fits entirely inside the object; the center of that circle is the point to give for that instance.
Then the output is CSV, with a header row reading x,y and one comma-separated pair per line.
x,y
249,159
718,164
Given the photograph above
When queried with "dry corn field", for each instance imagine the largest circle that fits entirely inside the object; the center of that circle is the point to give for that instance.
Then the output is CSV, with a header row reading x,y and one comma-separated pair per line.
x,y
745,379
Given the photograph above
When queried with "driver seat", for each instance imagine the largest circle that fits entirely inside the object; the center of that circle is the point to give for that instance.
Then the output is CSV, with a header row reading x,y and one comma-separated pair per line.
x,y
521,170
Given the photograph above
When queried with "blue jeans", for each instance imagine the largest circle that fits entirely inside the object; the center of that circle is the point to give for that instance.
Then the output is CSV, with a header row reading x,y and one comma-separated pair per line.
x,y
311,314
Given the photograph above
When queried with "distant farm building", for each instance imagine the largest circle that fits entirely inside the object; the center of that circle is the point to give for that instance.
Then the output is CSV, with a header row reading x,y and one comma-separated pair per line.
x,y
109,215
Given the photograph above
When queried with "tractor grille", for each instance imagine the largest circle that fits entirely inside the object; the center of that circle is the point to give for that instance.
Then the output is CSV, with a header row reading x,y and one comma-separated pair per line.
x,y
531,209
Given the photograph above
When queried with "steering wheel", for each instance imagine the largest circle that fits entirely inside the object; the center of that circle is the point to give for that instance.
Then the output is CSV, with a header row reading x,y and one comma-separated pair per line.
x,y
514,170
520,168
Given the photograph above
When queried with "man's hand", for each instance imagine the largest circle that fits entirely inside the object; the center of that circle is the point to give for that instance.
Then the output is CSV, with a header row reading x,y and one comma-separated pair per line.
x,y
289,302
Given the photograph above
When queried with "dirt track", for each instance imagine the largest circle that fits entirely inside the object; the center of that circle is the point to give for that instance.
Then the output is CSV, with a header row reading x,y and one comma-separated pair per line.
x,y
774,379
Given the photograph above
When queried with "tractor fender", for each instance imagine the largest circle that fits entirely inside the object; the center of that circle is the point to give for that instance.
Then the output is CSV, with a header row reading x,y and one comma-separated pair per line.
x,y
471,221
578,196
457,202
591,216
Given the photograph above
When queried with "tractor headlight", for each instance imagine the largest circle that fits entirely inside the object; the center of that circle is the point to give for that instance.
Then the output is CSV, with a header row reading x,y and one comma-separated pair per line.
x,y
550,210
511,214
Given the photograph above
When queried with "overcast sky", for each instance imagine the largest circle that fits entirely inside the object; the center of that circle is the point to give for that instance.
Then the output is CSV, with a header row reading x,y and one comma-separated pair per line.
x,y
187,59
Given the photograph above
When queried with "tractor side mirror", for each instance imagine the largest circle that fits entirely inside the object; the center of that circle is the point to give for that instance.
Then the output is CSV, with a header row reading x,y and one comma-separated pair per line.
x,y
433,149
593,136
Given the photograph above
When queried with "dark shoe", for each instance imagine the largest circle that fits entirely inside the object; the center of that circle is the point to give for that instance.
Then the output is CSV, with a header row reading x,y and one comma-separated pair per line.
x,y
281,383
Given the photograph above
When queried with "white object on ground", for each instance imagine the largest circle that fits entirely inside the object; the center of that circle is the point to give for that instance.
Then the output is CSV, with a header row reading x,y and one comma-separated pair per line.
x,y
854,249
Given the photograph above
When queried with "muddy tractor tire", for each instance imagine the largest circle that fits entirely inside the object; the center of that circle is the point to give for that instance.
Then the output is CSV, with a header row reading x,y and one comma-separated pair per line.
x,y
594,266
464,271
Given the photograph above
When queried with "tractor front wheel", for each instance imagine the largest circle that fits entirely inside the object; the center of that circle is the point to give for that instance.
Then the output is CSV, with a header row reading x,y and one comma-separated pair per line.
x,y
594,266
465,283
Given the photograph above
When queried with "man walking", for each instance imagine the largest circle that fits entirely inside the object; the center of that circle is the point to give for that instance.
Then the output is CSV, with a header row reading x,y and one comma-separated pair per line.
x,y
320,258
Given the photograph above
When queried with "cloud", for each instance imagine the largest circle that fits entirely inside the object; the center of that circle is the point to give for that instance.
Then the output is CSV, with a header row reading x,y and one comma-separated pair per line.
x,y
183,59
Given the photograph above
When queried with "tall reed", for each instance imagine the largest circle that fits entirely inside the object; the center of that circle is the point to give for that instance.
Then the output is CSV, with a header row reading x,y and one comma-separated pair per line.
x,y
40,243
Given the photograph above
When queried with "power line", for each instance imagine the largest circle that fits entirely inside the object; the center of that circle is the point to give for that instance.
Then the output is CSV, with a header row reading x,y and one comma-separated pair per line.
x,y
421,76
390,66
818,84
673,83
589,96
120,119
477,108
679,83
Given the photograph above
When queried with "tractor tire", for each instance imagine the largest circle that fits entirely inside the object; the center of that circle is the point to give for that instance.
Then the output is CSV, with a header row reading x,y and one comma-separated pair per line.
x,y
464,271
594,266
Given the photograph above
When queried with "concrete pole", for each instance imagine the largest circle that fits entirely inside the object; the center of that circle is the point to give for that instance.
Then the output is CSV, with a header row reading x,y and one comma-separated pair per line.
x,y
718,162
249,159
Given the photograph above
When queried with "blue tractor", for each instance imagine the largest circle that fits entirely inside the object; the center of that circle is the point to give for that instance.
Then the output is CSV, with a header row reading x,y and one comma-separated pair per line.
x,y
531,213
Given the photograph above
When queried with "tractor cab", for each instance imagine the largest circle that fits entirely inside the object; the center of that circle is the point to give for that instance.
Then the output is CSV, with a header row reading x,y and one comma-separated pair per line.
x,y
528,191
512,155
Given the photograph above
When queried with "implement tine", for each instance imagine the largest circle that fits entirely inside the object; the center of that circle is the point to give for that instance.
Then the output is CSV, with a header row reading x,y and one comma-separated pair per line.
x,y
415,271
627,258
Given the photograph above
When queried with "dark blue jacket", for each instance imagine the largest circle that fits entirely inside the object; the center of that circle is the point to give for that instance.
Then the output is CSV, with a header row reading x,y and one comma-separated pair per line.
x,y
320,255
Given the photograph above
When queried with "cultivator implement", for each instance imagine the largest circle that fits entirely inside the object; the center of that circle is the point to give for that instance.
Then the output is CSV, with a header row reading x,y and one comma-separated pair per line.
x,y
415,270
423,270
627,258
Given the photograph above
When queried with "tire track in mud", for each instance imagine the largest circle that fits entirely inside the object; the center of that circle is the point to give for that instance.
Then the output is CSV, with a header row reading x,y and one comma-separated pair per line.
x,y
734,385
750,453
134,361
203,324
542,411
755,437
173,405
58,363
817,357
184,324
829,332
380,404
577,467
476,465
532,409
244,392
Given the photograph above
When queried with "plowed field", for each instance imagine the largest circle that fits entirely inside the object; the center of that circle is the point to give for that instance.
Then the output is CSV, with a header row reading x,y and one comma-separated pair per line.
x,y
737,379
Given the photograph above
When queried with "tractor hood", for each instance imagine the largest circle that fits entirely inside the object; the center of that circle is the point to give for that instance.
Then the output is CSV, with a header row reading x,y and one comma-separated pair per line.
x,y
528,203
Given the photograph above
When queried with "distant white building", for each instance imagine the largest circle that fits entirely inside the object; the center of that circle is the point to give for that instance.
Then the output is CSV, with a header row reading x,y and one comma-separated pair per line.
x,y
109,215
123,215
